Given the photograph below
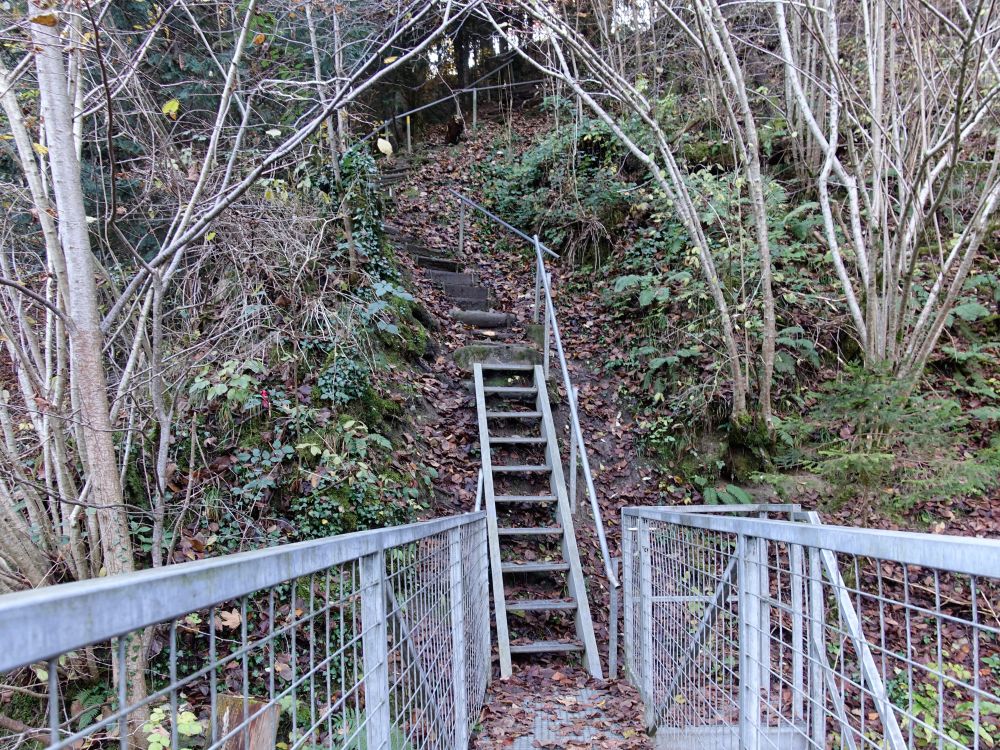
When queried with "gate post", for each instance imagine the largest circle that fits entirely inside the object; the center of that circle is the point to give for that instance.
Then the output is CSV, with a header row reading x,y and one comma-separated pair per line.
x,y
461,230
374,643
459,678
646,621
749,554
815,637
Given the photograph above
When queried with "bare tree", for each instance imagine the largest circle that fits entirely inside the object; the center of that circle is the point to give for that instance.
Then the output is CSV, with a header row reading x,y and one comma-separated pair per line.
x,y
904,119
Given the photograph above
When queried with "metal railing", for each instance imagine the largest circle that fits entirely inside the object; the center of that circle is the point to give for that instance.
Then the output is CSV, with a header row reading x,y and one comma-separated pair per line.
x,y
757,633
378,639
552,340
473,88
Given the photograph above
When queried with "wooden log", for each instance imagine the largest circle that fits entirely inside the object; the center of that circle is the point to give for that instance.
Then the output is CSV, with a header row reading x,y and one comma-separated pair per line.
x,y
261,732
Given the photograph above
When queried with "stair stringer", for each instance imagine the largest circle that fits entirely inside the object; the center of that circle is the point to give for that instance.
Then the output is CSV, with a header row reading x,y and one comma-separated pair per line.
x,y
489,496
571,552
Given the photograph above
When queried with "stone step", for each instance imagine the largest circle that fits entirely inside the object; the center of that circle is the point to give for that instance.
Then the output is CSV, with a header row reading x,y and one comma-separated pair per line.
x,y
492,355
466,291
436,262
483,318
472,304
450,277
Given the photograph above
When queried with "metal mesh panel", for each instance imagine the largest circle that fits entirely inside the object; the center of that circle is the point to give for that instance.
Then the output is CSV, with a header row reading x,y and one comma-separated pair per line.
x,y
763,634
377,640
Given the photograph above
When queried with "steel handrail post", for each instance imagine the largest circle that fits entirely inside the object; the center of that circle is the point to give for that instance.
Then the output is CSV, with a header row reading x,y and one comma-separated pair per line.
x,y
547,337
539,269
575,422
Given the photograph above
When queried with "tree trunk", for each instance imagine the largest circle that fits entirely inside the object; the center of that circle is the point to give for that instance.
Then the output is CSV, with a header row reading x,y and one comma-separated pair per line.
x,y
86,341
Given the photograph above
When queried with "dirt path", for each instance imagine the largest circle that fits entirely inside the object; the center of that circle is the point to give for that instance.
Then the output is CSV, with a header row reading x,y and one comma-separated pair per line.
x,y
427,214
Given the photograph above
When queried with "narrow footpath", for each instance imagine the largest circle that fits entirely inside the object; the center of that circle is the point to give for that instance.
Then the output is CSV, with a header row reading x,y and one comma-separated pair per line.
x,y
480,300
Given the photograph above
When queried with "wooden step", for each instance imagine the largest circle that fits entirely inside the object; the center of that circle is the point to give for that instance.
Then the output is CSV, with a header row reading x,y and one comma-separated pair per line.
x,y
544,647
540,605
535,567
513,391
522,469
524,498
506,414
517,440
530,531
508,366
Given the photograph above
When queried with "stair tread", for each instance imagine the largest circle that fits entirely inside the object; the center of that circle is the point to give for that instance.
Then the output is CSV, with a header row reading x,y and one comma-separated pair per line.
x,y
536,605
524,498
512,366
534,567
529,530
544,647
521,469
513,414
517,440
511,390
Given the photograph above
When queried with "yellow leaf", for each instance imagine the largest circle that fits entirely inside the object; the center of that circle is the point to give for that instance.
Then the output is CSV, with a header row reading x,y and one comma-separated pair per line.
x,y
46,19
259,39
39,149
210,236
384,146
391,60
171,108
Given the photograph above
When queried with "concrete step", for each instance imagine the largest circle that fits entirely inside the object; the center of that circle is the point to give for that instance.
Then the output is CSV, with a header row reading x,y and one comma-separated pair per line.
x,y
466,291
439,263
483,318
501,356
451,277
472,304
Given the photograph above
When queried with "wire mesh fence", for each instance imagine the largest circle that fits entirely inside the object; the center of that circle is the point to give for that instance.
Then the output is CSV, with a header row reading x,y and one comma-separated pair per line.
x,y
366,641
760,634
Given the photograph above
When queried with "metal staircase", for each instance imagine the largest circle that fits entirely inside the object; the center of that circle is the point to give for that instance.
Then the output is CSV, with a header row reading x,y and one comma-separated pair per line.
x,y
520,453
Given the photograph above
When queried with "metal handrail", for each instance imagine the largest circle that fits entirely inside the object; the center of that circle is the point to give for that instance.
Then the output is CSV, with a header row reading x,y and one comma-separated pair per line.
x,y
448,97
544,284
970,555
157,595
511,228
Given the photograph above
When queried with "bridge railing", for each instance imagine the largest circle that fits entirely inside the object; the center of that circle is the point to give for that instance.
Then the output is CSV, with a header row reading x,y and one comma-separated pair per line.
x,y
747,632
378,639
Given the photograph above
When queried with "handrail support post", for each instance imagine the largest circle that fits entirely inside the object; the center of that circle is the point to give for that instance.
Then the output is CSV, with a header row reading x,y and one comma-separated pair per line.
x,y
539,270
549,312
458,675
375,649
461,229
574,461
